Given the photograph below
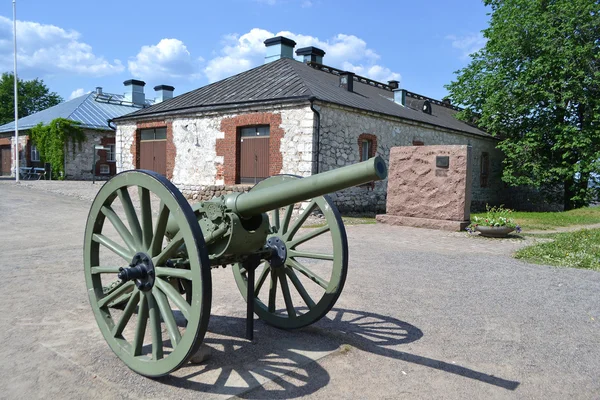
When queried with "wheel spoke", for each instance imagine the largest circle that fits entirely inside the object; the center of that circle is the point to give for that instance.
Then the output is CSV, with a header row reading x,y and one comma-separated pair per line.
x,y
301,218
261,279
174,296
308,236
275,219
127,313
119,227
272,291
157,343
159,232
140,329
307,272
112,246
306,254
300,288
174,272
285,290
287,218
169,250
119,290
146,212
104,270
168,317
132,218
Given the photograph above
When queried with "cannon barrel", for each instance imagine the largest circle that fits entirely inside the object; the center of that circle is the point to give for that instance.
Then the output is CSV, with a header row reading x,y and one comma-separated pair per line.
x,y
281,195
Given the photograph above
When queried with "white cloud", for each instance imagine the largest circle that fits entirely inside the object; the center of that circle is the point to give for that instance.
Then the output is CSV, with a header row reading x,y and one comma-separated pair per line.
x,y
48,49
76,93
342,51
169,58
468,44
306,4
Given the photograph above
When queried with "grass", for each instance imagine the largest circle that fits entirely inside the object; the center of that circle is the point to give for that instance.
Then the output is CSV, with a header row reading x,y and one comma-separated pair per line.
x,y
580,249
550,220
346,220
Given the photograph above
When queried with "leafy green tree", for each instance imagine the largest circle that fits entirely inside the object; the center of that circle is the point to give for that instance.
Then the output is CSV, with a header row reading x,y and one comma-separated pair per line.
x,y
33,96
536,85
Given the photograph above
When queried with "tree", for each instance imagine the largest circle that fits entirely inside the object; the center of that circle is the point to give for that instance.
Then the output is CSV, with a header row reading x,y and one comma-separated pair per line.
x,y
33,96
536,85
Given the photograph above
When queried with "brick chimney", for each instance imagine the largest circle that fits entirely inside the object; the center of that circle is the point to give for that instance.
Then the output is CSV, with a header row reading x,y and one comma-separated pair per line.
x,y
279,47
134,92
163,92
311,54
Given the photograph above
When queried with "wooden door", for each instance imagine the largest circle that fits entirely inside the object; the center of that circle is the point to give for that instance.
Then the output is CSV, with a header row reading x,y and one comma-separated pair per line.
x,y
153,150
5,159
254,159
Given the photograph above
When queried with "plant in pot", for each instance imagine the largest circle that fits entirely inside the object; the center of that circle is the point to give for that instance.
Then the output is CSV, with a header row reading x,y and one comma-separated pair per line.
x,y
496,223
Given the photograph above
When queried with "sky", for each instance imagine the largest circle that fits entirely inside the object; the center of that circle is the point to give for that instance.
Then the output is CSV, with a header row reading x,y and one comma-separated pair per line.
x,y
75,46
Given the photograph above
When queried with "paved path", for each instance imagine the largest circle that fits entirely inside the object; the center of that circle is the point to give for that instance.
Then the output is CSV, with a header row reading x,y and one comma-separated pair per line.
x,y
424,314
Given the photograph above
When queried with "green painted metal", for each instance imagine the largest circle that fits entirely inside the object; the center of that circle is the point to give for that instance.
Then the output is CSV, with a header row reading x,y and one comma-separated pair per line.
x,y
139,344
289,315
141,316
271,197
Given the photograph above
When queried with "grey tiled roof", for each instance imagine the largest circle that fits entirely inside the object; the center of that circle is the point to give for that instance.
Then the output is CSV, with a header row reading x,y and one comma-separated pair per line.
x,y
91,110
287,79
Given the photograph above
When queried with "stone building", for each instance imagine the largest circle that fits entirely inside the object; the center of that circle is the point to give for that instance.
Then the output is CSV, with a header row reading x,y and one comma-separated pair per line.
x,y
92,111
294,117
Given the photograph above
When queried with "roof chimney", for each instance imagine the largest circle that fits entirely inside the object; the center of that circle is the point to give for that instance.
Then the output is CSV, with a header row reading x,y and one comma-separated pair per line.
x,y
98,90
135,92
311,54
394,84
163,92
400,96
279,47
347,80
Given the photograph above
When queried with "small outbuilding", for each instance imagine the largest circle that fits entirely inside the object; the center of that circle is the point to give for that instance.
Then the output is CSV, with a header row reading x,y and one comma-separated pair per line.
x,y
92,111
295,117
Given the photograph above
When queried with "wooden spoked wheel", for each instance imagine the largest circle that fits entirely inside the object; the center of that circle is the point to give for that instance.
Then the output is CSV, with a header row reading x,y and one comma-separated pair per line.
x,y
129,262
311,278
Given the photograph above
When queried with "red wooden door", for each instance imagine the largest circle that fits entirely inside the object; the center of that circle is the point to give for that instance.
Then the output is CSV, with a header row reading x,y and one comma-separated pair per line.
x,y
254,159
5,160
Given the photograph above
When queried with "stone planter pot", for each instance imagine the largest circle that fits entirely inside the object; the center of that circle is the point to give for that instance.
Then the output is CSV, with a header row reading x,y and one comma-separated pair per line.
x,y
494,231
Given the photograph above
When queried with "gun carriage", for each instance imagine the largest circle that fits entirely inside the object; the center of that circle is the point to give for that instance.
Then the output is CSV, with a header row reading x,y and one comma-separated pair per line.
x,y
148,258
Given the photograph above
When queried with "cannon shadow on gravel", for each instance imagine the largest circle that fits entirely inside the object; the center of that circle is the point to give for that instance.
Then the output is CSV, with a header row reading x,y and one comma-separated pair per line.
x,y
238,367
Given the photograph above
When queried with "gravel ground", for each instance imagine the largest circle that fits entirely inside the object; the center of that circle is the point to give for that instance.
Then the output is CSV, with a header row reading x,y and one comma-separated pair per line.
x,y
424,314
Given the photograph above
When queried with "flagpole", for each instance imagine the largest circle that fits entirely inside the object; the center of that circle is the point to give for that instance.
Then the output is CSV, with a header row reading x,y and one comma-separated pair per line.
x,y
16,94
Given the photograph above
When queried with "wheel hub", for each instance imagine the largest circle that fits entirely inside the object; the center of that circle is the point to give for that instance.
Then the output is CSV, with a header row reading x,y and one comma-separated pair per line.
x,y
278,251
141,270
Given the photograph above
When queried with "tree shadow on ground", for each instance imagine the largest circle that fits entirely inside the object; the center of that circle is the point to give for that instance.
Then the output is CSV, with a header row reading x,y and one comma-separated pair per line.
x,y
239,367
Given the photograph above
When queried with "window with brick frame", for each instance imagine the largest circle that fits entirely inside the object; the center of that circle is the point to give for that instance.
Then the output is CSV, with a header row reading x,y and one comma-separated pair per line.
x,y
484,169
35,154
367,146
110,153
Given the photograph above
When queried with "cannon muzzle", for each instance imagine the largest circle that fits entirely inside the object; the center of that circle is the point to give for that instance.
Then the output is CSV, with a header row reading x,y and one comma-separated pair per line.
x,y
286,193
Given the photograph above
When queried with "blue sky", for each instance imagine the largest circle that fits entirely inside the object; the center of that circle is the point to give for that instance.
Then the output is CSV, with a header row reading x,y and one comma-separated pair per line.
x,y
75,46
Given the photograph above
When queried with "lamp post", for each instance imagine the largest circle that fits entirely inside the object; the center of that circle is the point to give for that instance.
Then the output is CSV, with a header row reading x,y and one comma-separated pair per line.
x,y
96,148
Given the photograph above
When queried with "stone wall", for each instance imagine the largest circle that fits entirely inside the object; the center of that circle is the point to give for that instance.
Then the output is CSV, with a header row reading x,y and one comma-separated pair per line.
x,y
79,158
341,128
124,139
205,142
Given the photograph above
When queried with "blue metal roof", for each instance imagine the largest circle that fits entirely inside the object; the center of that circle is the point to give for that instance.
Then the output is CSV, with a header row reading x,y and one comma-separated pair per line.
x,y
92,110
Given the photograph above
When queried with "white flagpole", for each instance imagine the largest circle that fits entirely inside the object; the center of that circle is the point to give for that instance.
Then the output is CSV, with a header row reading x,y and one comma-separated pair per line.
x,y
16,98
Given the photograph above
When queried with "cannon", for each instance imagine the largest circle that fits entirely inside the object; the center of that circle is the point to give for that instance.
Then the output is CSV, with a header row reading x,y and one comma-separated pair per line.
x,y
149,255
